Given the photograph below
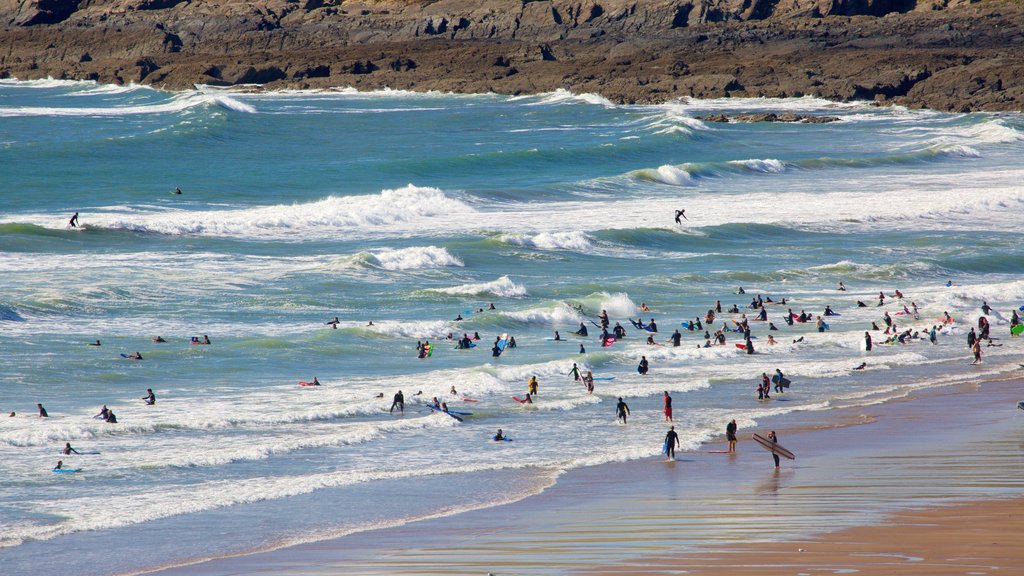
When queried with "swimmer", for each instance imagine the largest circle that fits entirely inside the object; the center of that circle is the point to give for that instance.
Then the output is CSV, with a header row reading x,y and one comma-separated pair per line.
x,y
96,343
158,340
150,398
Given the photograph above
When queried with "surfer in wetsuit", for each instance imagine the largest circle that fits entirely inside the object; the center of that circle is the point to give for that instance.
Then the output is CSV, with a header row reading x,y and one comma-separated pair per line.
x,y
775,440
867,341
668,407
42,411
680,214
642,367
652,327
111,419
499,436
730,435
68,450
532,385
589,381
675,337
603,317
150,398
74,221
671,441
582,331
333,323
779,381
621,410
398,402
574,372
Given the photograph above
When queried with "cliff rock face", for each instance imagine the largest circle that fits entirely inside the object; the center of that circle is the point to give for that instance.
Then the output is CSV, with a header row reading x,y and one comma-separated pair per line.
x,y
948,54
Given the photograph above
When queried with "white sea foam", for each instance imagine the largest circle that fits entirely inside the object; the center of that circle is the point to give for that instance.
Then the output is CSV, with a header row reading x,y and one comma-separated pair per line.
x,y
177,103
503,287
768,166
416,258
668,174
560,314
563,96
574,240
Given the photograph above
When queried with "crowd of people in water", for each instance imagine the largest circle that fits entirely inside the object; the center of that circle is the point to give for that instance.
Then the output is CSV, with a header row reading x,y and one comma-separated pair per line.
x,y
895,332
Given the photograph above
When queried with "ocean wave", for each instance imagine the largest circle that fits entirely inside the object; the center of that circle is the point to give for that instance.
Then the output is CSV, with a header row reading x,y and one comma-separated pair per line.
x,y
409,204
177,103
575,240
558,314
503,287
563,96
415,258
688,174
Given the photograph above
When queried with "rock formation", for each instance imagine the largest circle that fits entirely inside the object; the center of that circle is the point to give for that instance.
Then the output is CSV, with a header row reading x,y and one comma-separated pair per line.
x,y
943,54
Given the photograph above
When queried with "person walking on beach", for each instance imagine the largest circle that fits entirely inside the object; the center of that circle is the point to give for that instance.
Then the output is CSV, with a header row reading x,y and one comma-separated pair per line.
x,y
671,442
730,435
73,223
668,407
775,440
622,410
398,402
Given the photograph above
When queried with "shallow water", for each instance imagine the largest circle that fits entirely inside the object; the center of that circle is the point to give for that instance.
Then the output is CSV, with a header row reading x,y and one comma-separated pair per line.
x,y
411,209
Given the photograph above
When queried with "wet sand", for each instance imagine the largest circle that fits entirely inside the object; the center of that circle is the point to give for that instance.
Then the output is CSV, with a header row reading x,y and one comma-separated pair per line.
x,y
722,514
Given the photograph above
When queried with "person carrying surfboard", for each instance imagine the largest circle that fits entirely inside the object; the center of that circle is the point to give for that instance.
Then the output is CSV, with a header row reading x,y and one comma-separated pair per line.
x,y
671,442
532,385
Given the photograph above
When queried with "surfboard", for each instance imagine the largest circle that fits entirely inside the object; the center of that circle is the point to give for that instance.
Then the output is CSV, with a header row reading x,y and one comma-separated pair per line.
x,y
66,470
80,453
307,384
604,377
471,345
664,448
504,439
1020,404
773,447
741,346
719,452
518,399
502,342
1016,330
469,400
439,411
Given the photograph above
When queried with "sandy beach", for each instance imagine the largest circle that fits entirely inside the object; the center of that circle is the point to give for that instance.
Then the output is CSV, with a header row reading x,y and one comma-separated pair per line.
x,y
879,489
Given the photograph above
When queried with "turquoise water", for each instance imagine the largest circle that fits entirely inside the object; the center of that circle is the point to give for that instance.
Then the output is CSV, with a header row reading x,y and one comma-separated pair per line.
x,y
407,210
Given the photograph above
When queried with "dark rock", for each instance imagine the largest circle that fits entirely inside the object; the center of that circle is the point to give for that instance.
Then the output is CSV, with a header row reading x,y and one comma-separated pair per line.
x,y
321,71
265,75
36,12
402,65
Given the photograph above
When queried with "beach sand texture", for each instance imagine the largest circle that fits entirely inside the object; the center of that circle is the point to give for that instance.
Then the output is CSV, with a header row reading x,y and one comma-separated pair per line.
x,y
869,491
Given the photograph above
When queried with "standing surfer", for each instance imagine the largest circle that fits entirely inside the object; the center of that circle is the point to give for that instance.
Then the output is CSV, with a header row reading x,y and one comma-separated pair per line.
x,y
399,402
671,441
74,221
680,214
730,435
775,440
622,410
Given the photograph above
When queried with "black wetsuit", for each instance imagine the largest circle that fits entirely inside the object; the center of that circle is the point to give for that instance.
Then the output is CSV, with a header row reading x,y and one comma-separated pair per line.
x,y
399,402
676,336
671,439
622,410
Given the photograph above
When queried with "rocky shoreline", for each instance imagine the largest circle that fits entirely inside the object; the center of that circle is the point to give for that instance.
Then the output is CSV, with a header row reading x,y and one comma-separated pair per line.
x,y
953,56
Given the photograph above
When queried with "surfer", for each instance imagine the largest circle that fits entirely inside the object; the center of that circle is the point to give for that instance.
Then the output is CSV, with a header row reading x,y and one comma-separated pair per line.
x,y
453,392
603,317
582,331
158,340
619,331
621,410
652,327
42,411
741,290
206,339
574,372
512,342
491,307
977,352
589,381
668,407
68,450
779,381
103,413
558,338
135,356
680,214
730,435
96,343
642,367
867,341
333,323
644,308
841,287
60,464
862,366
671,441
499,436
398,402
532,385
582,349
150,398
74,221
527,400
771,340
177,190
775,440
675,337
111,419
458,317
